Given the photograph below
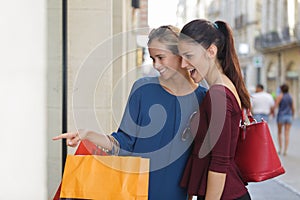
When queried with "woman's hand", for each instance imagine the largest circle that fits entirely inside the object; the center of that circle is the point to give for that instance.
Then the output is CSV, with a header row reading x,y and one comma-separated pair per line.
x,y
73,138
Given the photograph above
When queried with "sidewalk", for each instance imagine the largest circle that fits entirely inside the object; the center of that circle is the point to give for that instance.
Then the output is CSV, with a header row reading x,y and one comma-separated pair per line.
x,y
272,190
286,186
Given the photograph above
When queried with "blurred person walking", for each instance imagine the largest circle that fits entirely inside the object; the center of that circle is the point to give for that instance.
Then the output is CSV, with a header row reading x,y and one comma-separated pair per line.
x,y
262,104
286,111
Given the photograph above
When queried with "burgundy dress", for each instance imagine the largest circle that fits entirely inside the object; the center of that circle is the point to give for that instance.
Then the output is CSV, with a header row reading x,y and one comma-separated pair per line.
x,y
215,144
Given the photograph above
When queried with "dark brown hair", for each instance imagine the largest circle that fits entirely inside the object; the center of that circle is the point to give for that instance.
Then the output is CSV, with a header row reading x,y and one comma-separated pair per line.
x,y
260,86
219,33
284,88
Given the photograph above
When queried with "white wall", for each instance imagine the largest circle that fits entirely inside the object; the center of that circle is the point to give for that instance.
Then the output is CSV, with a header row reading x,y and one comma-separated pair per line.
x,y
22,102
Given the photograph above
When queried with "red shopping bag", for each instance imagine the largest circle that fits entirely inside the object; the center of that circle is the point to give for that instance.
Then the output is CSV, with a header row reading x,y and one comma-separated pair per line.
x,y
256,155
85,147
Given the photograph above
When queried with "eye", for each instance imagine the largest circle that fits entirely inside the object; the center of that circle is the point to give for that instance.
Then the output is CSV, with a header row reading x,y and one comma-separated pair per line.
x,y
160,57
188,56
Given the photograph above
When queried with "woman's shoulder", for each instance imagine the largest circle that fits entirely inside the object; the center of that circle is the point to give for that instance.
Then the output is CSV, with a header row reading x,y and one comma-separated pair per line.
x,y
222,89
218,88
146,80
143,84
223,93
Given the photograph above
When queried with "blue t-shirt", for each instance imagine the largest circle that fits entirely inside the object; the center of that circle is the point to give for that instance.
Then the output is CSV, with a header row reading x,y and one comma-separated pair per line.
x,y
152,127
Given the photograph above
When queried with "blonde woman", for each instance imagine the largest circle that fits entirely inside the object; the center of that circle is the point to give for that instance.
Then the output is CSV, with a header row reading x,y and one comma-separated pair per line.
x,y
156,120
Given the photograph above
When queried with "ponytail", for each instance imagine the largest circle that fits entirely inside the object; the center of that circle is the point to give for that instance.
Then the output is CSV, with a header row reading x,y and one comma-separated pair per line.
x,y
229,59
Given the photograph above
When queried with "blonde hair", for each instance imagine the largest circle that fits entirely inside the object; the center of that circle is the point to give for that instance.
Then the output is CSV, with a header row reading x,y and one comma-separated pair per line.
x,y
167,35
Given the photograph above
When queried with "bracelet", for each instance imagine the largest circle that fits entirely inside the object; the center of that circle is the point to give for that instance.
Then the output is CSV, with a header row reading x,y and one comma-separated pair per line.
x,y
115,146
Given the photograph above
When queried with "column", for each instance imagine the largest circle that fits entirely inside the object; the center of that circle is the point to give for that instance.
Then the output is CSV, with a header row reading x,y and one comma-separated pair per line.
x,y
272,15
264,20
54,94
280,15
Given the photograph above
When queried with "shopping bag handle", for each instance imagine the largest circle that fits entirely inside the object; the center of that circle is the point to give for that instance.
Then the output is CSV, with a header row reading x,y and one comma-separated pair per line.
x,y
247,119
249,116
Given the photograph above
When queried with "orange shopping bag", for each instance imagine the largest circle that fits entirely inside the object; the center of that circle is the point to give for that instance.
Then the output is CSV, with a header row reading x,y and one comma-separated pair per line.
x,y
105,177
85,147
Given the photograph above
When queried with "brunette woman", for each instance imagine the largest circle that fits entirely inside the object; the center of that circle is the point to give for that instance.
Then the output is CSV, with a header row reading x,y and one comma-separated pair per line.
x,y
208,53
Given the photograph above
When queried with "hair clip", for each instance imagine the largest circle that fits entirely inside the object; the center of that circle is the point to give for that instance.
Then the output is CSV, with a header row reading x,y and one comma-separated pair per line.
x,y
216,25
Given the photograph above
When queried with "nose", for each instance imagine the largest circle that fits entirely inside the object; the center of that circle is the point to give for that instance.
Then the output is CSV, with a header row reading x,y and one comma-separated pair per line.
x,y
184,63
156,65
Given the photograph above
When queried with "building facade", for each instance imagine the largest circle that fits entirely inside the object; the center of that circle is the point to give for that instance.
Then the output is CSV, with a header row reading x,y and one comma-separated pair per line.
x,y
279,43
243,17
266,35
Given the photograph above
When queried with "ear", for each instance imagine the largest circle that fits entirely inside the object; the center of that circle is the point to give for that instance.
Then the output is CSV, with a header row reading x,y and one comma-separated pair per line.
x,y
212,51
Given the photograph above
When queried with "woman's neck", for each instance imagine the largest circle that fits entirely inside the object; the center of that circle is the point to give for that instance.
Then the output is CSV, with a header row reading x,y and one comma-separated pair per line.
x,y
180,85
215,80
216,76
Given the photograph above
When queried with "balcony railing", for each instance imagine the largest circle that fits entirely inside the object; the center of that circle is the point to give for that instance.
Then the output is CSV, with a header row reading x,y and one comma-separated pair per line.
x,y
277,38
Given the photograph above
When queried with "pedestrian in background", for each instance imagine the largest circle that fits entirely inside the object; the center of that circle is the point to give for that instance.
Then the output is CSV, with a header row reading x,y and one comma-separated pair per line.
x,y
285,113
155,123
208,52
262,104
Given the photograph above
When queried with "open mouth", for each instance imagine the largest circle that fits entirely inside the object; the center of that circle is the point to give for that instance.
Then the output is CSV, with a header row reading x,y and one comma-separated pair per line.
x,y
192,71
161,71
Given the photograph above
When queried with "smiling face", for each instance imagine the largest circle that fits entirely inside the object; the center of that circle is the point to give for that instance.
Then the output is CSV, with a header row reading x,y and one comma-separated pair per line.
x,y
164,61
194,59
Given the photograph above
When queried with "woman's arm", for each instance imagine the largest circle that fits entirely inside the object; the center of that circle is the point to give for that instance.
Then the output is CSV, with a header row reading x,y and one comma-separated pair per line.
x,y
220,138
293,109
276,104
278,100
215,185
110,143
73,138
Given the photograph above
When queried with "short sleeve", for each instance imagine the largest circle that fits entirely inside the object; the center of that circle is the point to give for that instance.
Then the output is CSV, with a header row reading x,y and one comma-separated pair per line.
x,y
219,130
